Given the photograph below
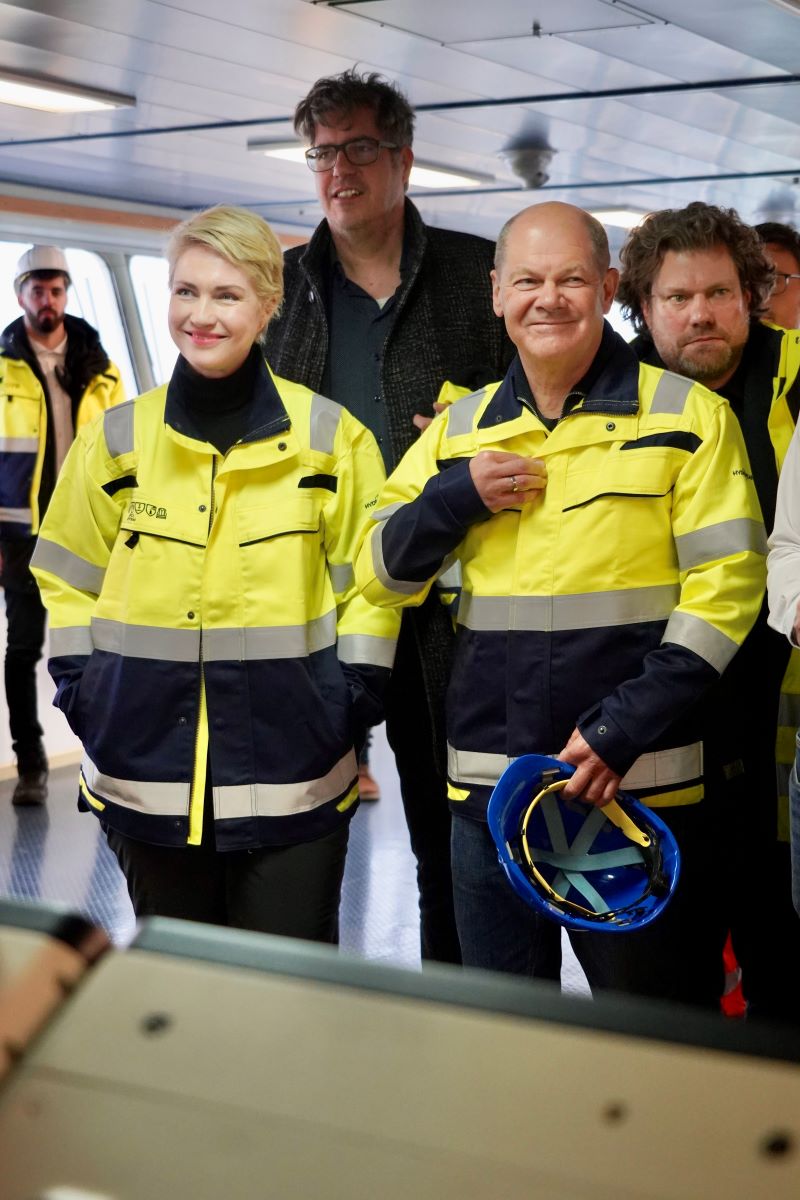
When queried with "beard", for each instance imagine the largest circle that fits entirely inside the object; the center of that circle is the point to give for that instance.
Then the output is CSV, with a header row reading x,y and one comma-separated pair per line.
x,y
45,321
704,364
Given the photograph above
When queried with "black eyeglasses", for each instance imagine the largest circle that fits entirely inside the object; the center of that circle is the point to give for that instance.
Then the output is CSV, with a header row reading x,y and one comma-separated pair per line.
x,y
782,282
358,151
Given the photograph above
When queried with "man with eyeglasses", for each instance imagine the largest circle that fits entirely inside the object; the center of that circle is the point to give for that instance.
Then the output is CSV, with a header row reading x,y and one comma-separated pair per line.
x,y
695,282
782,246
379,311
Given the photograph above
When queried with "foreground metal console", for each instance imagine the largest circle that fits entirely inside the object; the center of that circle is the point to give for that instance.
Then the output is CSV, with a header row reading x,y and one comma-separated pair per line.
x,y
204,1063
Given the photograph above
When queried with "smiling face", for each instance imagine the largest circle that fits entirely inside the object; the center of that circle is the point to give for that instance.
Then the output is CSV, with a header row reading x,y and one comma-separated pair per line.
x,y
44,302
215,314
699,315
551,291
360,198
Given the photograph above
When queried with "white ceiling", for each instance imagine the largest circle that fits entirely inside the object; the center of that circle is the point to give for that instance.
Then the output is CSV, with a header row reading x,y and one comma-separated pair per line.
x,y
201,61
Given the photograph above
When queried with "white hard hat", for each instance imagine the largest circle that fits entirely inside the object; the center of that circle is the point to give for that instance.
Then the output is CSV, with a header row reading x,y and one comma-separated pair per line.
x,y
40,258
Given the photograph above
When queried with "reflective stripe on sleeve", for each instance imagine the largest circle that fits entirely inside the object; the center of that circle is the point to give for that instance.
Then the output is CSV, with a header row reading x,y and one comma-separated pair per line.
x,y
325,416
118,429
685,629
58,561
403,586
549,614
284,799
366,649
341,576
671,394
13,445
720,541
789,710
461,414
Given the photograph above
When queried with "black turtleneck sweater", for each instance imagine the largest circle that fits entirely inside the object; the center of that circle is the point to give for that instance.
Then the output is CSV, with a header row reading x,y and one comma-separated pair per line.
x,y
218,411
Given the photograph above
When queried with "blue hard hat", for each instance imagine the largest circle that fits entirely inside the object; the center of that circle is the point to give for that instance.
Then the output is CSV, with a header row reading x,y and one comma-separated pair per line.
x,y
609,869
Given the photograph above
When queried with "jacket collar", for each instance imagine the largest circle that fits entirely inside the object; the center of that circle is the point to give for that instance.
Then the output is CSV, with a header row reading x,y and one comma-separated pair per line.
x,y
611,385
268,415
320,251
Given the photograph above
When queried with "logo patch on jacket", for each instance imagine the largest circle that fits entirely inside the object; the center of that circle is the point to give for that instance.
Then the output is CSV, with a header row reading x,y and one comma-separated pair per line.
x,y
137,507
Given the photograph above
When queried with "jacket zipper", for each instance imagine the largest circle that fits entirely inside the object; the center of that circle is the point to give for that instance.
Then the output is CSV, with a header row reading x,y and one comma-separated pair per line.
x,y
201,693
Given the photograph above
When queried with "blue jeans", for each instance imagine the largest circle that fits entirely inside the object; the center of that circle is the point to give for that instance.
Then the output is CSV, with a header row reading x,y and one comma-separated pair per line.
x,y
497,930
794,823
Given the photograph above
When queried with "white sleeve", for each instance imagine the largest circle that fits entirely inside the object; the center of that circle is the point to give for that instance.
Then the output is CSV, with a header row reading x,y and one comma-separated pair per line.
x,y
783,562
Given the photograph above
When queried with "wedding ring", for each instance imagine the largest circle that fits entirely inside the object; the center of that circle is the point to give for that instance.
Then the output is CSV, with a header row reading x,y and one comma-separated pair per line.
x,y
514,487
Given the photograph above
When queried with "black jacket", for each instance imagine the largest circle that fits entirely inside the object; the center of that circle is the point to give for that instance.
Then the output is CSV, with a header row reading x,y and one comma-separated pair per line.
x,y
444,329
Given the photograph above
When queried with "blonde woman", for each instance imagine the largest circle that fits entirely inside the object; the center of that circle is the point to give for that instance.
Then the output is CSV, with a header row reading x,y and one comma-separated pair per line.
x,y
207,642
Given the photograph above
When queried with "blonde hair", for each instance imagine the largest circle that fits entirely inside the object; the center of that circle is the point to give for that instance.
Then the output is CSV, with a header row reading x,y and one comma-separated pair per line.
x,y
241,237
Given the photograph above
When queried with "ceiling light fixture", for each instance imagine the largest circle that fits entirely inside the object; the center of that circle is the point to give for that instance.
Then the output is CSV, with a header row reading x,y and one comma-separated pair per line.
x,y
620,218
51,95
423,174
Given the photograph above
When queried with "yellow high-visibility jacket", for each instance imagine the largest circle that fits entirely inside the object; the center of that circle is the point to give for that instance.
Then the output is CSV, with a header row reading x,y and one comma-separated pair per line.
x,y
24,424
611,602
203,612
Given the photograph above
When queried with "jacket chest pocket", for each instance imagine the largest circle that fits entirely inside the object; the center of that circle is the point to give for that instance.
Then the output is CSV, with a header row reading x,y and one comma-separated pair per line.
x,y
618,520
621,475
281,556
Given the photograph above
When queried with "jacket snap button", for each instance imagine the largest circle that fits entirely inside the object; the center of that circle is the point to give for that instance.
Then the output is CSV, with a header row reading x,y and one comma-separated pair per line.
x,y
610,426
202,508
602,729
181,720
281,445
190,615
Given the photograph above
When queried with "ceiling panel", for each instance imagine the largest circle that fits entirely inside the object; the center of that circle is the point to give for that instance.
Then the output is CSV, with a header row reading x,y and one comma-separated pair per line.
x,y
193,61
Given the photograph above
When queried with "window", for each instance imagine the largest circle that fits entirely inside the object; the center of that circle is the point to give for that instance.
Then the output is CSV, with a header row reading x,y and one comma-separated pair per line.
x,y
91,296
149,276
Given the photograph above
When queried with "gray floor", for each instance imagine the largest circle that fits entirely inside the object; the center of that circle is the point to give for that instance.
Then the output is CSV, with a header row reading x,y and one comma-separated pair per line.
x,y
57,854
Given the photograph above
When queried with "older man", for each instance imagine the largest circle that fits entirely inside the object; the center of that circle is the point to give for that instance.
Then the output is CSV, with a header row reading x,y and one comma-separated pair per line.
x,y
695,281
612,553
379,312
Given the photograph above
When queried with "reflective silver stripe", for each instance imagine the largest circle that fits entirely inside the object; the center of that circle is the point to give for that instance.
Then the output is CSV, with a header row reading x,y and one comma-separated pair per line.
x,y
685,629
325,415
367,649
341,576
12,445
403,586
269,642
58,561
461,413
720,541
475,767
789,710
555,614
118,429
383,514
72,639
666,768
284,799
671,394
155,799
662,768
146,641
16,516
449,578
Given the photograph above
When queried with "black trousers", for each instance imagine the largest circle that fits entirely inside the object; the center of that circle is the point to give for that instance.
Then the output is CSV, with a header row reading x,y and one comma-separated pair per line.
x,y
26,617
423,787
292,891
